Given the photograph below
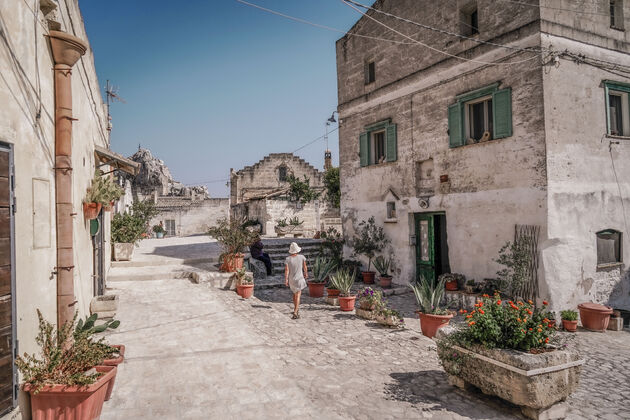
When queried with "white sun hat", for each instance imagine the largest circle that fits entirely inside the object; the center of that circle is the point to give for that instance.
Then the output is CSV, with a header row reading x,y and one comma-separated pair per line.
x,y
294,248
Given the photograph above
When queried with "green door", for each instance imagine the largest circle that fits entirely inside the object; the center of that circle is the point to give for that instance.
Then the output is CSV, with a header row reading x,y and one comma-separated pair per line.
x,y
425,246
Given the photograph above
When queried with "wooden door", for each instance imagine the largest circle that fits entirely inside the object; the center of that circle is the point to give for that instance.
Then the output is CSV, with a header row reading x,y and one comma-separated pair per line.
x,y
425,246
7,369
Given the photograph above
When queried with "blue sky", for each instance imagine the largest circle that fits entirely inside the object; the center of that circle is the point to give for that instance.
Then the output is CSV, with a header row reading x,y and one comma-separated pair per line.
x,y
214,85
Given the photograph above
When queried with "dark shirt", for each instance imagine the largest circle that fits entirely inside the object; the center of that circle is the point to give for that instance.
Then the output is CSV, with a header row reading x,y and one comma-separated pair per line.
x,y
256,249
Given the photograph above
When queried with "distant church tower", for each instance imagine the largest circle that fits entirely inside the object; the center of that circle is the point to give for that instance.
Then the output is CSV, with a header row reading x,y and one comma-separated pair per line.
x,y
327,160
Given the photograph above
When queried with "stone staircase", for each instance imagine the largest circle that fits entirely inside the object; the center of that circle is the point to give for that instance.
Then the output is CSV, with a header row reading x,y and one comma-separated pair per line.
x,y
158,269
278,250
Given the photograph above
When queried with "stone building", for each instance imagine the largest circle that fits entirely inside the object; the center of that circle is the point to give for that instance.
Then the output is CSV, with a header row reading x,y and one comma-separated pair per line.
x,y
516,121
259,192
53,135
184,210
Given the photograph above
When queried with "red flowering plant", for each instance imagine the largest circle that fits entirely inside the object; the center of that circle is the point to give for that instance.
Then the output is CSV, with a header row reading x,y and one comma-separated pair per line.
x,y
515,325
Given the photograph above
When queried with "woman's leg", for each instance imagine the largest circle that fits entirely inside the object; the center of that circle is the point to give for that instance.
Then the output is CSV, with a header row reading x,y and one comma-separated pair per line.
x,y
297,301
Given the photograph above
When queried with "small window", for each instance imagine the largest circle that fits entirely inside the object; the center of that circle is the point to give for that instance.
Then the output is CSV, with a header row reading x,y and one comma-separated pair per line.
x,y
618,108
169,226
479,119
469,19
391,210
282,173
616,14
608,247
378,146
370,72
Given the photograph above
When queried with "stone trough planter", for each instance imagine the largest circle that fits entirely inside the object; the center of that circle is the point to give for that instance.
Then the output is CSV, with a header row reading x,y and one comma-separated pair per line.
x,y
537,383
283,231
122,251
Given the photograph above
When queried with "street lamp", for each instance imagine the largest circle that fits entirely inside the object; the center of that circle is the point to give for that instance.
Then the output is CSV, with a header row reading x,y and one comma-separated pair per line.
x,y
327,154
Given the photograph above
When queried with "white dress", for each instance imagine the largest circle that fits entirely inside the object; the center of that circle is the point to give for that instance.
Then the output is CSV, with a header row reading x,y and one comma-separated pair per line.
x,y
296,275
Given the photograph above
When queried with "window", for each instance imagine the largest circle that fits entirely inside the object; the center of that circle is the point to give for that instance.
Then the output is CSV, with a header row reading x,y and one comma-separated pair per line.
x,y
370,72
480,115
616,14
282,173
378,144
391,210
617,108
608,247
169,226
469,19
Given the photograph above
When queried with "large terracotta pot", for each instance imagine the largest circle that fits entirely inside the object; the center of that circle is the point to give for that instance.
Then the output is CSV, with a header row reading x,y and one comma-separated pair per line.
x,y
316,290
429,323
570,326
332,292
245,290
385,282
346,303
368,277
91,210
62,402
594,316
451,285
232,263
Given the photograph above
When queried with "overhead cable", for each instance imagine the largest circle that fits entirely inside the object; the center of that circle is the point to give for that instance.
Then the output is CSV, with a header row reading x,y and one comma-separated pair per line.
x,y
314,141
584,12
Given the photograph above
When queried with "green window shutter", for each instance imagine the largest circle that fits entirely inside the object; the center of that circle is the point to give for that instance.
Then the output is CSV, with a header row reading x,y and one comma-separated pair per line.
x,y
607,105
363,149
455,138
391,144
502,113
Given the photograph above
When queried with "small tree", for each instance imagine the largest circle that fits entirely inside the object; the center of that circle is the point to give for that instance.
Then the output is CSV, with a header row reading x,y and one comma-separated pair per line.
x,y
232,236
333,190
301,190
370,239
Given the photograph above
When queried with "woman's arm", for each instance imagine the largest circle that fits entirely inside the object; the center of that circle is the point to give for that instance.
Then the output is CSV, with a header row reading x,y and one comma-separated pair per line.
x,y
286,274
305,269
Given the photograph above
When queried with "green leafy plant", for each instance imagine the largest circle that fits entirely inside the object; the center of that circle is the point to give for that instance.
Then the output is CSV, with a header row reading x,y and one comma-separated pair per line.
x,y
242,277
369,240
295,221
103,189
132,226
158,229
301,190
89,326
282,223
371,297
383,265
333,190
470,282
322,267
232,236
569,315
331,245
429,295
516,259
343,280
250,223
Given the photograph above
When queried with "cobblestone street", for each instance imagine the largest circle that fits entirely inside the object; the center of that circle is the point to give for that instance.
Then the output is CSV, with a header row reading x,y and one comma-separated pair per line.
x,y
199,352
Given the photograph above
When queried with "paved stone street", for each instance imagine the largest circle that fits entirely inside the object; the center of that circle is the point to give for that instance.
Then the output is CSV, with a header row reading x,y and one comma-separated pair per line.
x,y
197,352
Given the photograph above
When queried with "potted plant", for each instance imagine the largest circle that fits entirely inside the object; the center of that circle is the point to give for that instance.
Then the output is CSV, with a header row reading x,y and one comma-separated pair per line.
x,y
453,281
569,320
159,231
233,238
370,299
331,290
504,350
111,192
595,317
321,270
469,287
343,280
389,317
67,377
429,296
103,191
383,266
369,240
244,283
131,227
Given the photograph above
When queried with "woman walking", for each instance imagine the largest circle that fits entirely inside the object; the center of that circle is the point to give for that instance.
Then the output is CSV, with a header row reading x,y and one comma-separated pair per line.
x,y
295,275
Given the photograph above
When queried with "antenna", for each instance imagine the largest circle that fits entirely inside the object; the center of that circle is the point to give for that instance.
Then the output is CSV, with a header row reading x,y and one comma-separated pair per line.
x,y
111,92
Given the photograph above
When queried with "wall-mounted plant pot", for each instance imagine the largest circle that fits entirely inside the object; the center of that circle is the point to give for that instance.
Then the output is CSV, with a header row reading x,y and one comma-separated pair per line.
x,y
91,210
595,317
346,303
123,251
368,277
316,290
385,281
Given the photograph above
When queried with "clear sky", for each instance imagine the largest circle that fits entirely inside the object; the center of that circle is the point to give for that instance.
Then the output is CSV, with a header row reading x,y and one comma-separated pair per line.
x,y
213,85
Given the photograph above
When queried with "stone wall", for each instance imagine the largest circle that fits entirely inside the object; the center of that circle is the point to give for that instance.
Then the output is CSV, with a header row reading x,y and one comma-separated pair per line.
x,y
192,217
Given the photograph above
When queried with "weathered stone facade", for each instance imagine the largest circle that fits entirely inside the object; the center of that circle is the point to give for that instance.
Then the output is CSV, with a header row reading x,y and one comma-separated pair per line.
x,y
553,170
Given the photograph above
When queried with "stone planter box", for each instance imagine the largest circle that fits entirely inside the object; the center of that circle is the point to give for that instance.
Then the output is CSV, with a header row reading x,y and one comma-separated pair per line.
x,y
104,304
538,383
365,314
389,321
122,251
296,231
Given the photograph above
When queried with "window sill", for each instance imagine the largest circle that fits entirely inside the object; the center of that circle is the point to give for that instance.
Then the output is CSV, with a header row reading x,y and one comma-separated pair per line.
x,y
394,220
609,265
616,28
613,136
378,165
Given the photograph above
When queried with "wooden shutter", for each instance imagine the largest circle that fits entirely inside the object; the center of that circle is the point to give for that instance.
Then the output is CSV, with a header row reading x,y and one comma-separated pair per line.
x,y
455,137
502,113
6,321
363,149
391,143
366,72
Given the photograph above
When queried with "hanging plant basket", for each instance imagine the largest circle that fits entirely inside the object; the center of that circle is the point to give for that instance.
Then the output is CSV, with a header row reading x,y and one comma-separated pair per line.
x,y
91,210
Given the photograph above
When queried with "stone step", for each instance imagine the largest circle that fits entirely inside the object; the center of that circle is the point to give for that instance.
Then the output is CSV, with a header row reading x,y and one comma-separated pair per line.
x,y
154,272
163,262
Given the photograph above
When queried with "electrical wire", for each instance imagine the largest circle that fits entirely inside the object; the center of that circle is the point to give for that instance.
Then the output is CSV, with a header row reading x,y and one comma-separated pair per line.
x,y
314,141
346,2
443,31
584,12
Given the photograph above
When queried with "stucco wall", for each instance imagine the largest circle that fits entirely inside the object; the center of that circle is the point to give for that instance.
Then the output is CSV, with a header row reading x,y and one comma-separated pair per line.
x,y
26,87
192,218
588,176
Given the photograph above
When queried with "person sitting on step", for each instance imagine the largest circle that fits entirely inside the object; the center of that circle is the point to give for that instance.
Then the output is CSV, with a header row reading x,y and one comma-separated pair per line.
x,y
256,251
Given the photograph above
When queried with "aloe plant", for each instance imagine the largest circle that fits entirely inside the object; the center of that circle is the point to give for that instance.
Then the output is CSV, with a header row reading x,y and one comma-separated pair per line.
x,y
429,295
322,268
343,280
383,265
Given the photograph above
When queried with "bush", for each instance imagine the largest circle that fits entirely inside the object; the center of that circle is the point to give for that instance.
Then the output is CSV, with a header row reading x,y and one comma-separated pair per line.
x,y
369,240
516,259
569,315
103,190
131,226
300,190
158,229
332,245
333,191
232,236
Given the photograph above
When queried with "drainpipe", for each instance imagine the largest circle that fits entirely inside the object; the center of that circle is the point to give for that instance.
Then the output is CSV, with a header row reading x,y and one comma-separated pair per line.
x,y
66,50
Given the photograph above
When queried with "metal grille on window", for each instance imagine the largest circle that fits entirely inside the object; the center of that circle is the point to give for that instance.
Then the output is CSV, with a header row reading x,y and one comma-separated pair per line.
x,y
170,227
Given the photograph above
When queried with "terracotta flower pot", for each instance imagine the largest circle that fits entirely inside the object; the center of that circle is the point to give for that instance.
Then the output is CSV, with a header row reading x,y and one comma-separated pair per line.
x,y
367,306
429,323
245,290
346,303
368,277
232,263
451,285
116,360
316,290
570,326
332,292
91,210
594,316
385,281
71,402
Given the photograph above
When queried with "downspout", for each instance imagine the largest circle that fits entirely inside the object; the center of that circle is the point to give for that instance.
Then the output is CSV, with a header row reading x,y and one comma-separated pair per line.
x,y
66,50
